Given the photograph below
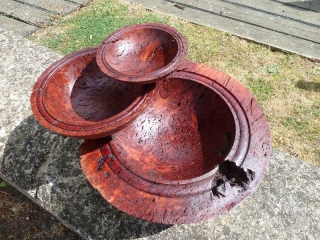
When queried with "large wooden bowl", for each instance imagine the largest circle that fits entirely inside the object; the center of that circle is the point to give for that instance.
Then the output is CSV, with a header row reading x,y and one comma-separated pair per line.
x,y
73,97
199,148
142,52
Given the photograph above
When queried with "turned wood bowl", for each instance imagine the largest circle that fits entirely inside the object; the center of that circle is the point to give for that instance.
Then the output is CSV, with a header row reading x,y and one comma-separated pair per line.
x,y
198,149
142,53
73,97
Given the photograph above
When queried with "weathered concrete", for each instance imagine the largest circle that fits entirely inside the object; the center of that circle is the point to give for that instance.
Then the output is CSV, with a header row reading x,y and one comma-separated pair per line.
x,y
26,16
46,168
313,5
21,28
29,14
82,2
61,7
280,24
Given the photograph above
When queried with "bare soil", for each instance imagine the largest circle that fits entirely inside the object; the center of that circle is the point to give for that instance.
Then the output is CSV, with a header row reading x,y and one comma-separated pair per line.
x,y
21,218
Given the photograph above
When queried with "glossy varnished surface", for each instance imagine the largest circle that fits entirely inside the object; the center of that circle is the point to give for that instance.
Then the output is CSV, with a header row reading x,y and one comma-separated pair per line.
x,y
200,147
142,52
185,132
75,98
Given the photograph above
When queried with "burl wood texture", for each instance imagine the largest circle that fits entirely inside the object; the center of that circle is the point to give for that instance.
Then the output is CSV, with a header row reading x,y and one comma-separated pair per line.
x,y
142,52
75,98
200,147
186,131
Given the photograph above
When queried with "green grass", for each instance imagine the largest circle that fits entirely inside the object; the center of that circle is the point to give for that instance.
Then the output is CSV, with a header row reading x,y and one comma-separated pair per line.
x,y
89,28
286,85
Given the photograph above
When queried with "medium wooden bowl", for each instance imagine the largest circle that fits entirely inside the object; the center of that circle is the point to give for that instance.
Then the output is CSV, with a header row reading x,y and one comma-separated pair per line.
x,y
199,148
73,97
142,53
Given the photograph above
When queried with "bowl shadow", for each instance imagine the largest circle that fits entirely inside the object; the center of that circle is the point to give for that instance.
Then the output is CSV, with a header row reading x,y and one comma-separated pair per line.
x,y
46,167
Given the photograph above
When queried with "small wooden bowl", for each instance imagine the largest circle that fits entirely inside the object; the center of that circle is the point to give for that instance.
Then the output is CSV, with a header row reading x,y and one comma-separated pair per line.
x,y
142,53
200,147
73,97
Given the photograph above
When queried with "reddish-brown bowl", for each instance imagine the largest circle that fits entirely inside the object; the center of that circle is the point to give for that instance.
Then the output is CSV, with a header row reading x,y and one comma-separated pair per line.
x,y
142,53
199,148
73,97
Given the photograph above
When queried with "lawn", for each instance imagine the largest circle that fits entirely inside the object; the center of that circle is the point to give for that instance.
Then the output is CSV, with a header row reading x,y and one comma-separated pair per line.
x,y
287,86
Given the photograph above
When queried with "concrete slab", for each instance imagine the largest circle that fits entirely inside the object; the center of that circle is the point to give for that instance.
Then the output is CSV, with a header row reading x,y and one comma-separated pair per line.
x,y
61,7
21,28
281,11
32,14
273,23
26,13
308,5
82,2
45,167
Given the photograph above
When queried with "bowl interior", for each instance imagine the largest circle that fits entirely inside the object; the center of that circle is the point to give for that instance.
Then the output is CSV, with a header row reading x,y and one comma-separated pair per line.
x,y
140,51
186,130
78,93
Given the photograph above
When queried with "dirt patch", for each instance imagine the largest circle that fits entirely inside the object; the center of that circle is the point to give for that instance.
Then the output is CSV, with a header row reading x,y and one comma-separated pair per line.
x,y
20,218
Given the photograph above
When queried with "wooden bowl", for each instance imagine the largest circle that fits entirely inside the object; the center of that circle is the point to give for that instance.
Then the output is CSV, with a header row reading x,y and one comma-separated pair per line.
x,y
142,53
199,148
73,97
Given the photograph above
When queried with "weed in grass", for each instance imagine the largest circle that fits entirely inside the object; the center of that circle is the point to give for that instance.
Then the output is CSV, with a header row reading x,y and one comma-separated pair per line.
x,y
269,69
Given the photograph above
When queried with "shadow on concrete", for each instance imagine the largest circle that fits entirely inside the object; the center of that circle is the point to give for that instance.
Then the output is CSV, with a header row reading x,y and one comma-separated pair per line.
x,y
46,166
309,86
311,5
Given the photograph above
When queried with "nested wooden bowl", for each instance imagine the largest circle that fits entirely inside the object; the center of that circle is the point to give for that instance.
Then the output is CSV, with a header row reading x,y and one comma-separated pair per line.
x,y
185,132
142,52
198,149
73,97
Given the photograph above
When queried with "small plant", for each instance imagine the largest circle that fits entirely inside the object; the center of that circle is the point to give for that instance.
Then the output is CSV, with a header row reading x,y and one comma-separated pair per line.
x,y
3,184
271,69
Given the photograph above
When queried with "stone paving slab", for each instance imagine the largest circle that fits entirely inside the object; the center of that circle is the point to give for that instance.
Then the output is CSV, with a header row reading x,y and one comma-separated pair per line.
x,y
269,22
26,13
45,167
257,17
282,10
81,2
61,7
21,28
26,16
313,5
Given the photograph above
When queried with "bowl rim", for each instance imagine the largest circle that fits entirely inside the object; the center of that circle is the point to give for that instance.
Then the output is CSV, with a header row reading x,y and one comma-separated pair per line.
x,y
189,208
237,152
147,77
96,129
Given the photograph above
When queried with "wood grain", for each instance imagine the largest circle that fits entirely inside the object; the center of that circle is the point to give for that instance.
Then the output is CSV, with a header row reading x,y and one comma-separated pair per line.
x,y
73,97
200,147
142,53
